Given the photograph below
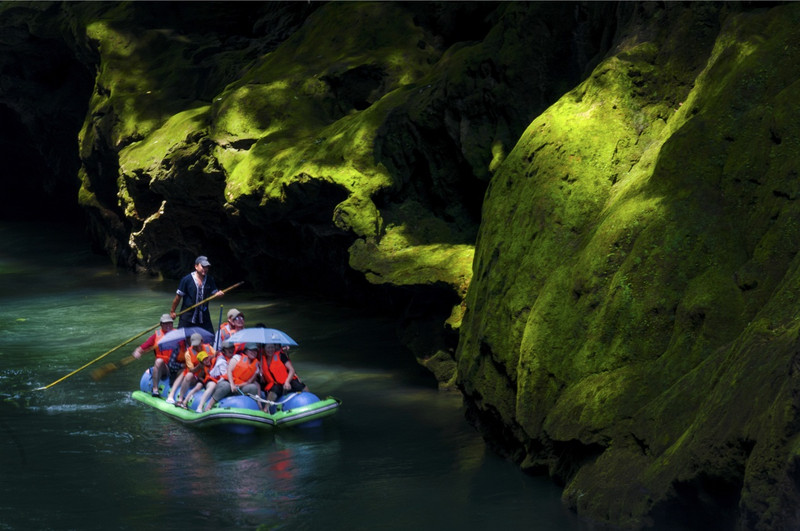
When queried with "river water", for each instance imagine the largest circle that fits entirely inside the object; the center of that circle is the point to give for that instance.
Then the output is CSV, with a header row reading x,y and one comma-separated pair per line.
x,y
83,455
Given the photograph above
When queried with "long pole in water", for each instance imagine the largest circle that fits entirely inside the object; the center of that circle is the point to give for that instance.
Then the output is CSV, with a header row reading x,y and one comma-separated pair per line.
x,y
79,369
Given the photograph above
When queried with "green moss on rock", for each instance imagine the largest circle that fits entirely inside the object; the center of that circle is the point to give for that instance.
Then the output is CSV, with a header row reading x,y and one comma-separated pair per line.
x,y
633,273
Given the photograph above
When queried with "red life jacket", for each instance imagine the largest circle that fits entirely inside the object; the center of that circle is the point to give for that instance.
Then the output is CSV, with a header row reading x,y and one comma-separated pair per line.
x,y
244,369
274,369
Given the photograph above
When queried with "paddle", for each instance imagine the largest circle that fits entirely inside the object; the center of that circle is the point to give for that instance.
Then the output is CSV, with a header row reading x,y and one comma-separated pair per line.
x,y
108,368
140,334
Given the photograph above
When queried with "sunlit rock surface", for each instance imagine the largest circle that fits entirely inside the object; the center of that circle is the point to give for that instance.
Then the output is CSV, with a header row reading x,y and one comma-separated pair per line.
x,y
631,326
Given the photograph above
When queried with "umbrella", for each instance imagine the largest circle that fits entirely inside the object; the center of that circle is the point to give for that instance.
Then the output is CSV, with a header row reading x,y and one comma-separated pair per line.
x,y
262,335
171,338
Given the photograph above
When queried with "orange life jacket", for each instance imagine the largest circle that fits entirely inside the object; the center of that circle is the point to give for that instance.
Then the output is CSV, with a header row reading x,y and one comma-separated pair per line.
x,y
205,375
244,369
193,357
164,354
225,332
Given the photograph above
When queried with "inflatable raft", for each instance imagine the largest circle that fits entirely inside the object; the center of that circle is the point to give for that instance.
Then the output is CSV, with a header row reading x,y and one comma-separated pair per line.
x,y
238,413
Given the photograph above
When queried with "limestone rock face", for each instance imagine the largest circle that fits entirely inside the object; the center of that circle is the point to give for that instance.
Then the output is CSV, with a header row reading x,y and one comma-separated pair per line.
x,y
631,326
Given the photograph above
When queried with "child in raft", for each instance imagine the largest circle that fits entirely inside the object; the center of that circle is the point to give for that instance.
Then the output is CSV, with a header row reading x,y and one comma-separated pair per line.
x,y
215,370
205,363
193,367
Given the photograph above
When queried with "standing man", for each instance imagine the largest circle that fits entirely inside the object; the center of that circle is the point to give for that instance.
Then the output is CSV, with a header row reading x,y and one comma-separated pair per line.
x,y
193,288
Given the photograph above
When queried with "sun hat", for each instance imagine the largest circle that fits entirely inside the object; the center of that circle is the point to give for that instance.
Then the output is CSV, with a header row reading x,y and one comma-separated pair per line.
x,y
166,318
233,313
251,346
196,339
203,355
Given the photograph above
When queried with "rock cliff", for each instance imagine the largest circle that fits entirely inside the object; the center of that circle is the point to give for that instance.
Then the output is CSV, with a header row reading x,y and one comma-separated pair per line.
x,y
595,201
631,325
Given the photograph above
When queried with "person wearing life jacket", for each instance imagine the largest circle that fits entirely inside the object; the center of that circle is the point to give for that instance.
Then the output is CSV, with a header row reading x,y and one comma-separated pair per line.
x,y
204,363
164,357
217,370
234,324
189,376
240,377
278,373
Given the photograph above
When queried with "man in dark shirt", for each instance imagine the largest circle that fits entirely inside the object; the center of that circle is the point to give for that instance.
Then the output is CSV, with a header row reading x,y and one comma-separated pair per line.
x,y
193,288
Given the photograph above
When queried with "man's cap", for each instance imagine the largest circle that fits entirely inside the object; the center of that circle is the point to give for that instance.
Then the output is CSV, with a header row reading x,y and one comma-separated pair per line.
x,y
228,344
203,261
251,346
203,355
196,339
166,318
233,313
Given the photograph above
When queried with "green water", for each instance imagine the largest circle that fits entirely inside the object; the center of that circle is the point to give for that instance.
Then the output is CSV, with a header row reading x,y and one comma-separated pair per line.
x,y
84,455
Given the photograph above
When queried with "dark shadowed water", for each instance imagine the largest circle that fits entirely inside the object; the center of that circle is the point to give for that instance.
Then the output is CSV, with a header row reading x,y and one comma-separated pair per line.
x,y
84,455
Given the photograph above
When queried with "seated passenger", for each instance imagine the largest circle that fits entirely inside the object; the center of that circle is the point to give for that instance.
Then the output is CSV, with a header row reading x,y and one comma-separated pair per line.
x,y
278,374
234,323
217,372
240,378
166,358
193,367
205,362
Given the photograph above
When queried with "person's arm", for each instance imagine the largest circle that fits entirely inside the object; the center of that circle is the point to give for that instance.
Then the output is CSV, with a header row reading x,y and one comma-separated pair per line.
x,y
288,383
189,360
231,365
215,291
144,347
175,302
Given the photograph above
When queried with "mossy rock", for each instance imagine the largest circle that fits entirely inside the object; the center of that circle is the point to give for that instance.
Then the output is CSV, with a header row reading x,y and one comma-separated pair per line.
x,y
635,273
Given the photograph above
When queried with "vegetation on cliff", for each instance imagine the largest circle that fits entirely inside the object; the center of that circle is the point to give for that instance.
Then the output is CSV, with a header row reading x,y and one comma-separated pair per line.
x,y
632,319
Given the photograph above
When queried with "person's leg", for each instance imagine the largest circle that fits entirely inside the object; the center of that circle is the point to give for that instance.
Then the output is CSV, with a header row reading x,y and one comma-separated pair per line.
x,y
250,389
188,381
206,394
175,385
195,389
298,386
159,368
222,390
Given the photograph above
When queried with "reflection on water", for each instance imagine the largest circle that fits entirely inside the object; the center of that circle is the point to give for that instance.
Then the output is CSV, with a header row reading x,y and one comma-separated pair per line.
x,y
84,455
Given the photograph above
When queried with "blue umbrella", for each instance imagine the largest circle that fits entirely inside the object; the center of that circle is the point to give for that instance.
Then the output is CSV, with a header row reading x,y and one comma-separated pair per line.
x,y
173,337
264,336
